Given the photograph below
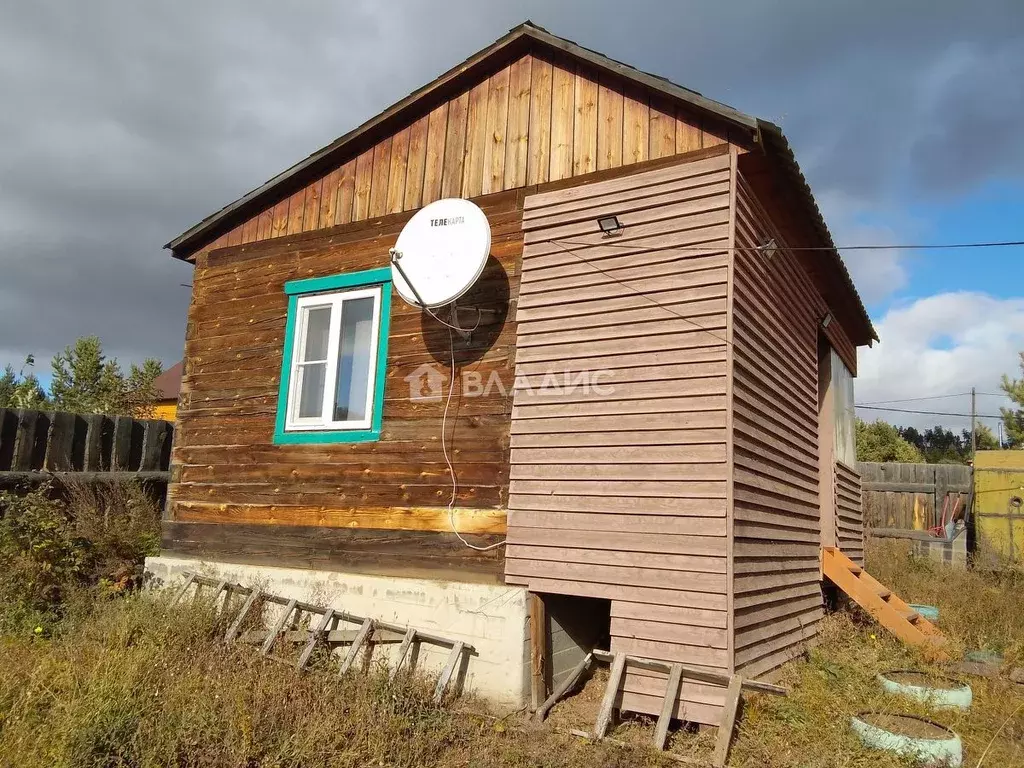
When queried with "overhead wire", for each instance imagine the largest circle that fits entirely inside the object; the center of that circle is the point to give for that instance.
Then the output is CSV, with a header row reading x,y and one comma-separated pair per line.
x,y
927,413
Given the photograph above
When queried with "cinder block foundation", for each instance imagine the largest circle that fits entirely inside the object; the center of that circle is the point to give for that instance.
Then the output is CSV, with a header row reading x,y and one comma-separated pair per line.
x,y
492,618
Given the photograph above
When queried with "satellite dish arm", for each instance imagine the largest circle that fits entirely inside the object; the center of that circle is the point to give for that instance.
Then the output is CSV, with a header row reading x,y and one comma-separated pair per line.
x,y
395,256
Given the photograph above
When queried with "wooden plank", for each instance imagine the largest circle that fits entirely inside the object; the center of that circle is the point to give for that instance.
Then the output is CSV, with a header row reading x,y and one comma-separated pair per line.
x,y
380,177
563,95
315,637
25,441
496,131
277,626
446,674
329,198
395,199
155,445
539,155
517,143
61,440
296,212
729,712
345,208
403,651
671,695
635,127
610,117
455,146
605,712
416,164
311,206
564,687
433,171
411,554
585,126
363,184
538,651
474,170
688,133
356,647
92,458
662,131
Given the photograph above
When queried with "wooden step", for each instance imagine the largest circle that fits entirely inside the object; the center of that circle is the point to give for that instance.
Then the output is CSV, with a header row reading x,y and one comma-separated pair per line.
x,y
881,603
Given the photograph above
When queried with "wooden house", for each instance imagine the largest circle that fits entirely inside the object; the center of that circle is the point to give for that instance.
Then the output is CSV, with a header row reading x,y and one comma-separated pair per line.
x,y
167,386
676,508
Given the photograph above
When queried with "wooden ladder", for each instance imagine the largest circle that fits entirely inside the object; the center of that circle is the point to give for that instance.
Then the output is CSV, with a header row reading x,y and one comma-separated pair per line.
x,y
882,604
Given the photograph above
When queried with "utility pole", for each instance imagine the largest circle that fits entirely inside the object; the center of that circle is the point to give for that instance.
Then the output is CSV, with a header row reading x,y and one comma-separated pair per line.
x,y
974,419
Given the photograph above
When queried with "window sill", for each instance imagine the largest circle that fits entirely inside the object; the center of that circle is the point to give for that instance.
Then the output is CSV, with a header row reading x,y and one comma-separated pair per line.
x,y
313,437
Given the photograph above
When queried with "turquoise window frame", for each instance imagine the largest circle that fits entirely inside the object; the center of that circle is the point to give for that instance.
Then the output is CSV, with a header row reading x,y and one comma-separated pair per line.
x,y
297,288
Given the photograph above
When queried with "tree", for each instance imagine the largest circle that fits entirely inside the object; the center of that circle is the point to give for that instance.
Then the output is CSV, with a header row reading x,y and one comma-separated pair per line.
x,y
85,381
984,437
21,390
880,441
1013,418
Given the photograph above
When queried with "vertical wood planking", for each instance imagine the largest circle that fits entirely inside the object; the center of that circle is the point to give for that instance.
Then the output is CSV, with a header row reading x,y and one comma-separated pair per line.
x,y
663,129
346,193
395,202
234,236
495,134
609,133
517,139
476,141
379,179
538,167
713,134
311,206
249,229
563,99
688,135
279,223
416,164
433,168
263,228
296,204
329,198
455,146
635,127
585,124
364,179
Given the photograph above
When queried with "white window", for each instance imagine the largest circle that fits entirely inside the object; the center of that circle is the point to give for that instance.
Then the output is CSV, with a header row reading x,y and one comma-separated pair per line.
x,y
334,361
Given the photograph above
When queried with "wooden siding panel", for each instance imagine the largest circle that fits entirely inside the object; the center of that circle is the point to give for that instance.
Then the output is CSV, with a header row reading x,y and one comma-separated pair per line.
x,y
380,177
777,600
363,182
346,194
455,147
663,129
517,147
473,170
621,493
609,133
539,154
416,165
433,170
311,206
635,127
849,512
563,112
395,198
585,125
496,128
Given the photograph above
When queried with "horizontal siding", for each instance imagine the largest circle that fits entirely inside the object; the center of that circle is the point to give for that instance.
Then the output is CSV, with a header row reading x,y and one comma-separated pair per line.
x,y
777,601
619,491
849,512
531,122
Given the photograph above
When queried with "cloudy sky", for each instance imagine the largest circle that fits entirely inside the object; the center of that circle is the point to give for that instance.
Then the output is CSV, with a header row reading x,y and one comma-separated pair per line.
x,y
124,123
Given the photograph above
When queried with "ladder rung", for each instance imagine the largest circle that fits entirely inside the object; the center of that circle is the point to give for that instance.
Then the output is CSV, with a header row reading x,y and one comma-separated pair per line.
x,y
912,616
856,570
885,594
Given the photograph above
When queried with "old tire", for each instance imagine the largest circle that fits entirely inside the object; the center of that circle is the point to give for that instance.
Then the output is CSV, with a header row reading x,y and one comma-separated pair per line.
x,y
958,697
945,751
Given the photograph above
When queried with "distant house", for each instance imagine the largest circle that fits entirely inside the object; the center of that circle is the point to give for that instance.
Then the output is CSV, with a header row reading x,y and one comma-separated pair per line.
x,y
638,230
168,385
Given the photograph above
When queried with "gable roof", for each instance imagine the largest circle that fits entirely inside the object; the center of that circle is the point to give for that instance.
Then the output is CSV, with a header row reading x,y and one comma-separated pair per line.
x,y
168,383
760,132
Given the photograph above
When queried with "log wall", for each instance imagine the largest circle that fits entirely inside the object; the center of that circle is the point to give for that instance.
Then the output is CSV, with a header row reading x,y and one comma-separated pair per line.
x,y
621,493
229,478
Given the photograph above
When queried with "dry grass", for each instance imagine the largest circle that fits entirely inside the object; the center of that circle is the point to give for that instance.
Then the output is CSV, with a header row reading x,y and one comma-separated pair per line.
x,y
136,683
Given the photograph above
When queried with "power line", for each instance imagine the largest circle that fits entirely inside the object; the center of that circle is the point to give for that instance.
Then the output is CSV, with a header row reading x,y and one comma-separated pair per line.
x,y
927,413
915,399
876,247
640,293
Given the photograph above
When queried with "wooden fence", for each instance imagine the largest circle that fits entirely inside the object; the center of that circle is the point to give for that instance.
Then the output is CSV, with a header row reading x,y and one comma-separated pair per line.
x,y
36,444
910,496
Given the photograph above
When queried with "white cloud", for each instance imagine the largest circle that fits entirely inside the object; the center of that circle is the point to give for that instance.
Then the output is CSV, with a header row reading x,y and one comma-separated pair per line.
x,y
942,345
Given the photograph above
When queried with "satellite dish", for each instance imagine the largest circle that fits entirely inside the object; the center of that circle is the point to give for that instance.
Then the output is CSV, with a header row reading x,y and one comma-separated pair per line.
x,y
441,252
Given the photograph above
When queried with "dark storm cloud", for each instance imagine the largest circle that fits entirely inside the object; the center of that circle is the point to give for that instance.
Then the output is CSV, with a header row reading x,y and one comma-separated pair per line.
x,y
124,123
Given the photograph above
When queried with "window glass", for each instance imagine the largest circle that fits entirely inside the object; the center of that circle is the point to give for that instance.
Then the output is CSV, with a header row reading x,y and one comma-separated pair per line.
x,y
354,359
318,328
845,425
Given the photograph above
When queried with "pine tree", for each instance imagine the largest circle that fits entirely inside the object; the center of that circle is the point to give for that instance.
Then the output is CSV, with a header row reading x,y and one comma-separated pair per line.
x,y
1013,418
85,381
21,390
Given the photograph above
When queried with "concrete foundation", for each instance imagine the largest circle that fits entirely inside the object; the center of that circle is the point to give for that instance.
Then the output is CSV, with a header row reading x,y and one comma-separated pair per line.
x,y
492,618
